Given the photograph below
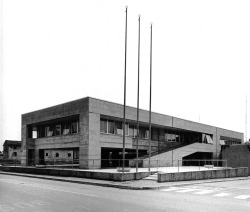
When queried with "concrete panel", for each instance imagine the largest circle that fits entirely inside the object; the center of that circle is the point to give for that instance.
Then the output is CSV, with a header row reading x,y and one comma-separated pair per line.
x,y
201,175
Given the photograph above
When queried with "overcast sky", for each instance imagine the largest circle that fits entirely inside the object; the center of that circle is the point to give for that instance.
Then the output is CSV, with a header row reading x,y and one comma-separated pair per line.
x,y
55,51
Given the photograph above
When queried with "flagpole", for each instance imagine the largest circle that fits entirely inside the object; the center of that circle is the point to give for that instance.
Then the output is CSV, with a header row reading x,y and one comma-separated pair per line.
x,y
138,94
150,99
124,108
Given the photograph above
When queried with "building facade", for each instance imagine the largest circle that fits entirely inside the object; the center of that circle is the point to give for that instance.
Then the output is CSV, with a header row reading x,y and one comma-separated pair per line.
x,y
12,150
91,131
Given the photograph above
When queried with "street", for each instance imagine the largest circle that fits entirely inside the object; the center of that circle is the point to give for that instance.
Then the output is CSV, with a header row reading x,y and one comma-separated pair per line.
x,y
31,194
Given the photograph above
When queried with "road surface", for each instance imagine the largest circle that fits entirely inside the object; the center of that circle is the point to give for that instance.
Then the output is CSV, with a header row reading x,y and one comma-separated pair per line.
x,y
31,194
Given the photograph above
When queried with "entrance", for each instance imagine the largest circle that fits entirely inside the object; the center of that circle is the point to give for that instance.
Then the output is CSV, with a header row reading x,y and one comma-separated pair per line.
x,y
31,159
41,157
198,158
112,157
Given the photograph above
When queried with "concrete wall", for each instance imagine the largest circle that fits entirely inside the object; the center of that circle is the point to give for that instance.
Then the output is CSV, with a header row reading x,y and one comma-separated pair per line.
x,y
202,175
80,173
237,156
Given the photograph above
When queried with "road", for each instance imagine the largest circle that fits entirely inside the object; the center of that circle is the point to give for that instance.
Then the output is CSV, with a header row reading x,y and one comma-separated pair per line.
x,y
31,194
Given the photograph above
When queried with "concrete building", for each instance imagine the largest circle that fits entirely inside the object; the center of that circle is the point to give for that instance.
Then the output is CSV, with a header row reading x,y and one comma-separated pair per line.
x,y
237,155
91,130
12,149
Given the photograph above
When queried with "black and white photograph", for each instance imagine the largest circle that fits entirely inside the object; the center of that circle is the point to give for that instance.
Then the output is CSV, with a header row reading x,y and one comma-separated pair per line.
x,y
124,105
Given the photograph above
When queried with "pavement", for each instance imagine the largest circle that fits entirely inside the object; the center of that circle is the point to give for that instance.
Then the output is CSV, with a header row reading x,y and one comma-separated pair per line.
x,y
144,184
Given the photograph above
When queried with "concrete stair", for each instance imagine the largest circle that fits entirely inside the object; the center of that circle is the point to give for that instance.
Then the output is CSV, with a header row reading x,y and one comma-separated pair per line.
x,y
170,158
153,177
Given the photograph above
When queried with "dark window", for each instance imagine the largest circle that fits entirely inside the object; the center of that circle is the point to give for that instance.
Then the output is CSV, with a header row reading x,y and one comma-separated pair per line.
x,y
143,132
29,131
66,128
155,134
50,130
74,126
58,129
47,154
41,131
69,155
103,126
14,154
119,129
57,155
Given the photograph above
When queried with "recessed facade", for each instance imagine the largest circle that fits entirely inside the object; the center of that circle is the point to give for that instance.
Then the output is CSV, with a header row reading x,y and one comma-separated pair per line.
x,y
91,131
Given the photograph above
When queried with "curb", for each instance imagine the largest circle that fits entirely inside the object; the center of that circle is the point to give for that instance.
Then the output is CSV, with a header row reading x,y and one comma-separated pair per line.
x,y
172,184
66,180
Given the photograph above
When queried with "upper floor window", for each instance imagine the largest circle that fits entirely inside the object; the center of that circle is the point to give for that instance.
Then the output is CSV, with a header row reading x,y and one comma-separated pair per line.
x,y
104,126
132,131
50,130
113,127
74,126
65,126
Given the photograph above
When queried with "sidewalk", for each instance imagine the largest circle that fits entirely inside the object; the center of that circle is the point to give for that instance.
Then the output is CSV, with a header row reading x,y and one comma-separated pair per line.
x,y
143,184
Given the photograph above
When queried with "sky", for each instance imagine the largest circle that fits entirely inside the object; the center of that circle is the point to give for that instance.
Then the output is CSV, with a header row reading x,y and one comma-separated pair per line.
x,y
55,51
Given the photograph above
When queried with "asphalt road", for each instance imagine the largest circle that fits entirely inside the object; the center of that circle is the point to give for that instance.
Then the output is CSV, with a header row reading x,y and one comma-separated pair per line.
x,y
31,194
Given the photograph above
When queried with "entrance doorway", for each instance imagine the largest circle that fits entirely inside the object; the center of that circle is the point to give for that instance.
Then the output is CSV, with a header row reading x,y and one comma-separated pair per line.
x,y
41,157
31,159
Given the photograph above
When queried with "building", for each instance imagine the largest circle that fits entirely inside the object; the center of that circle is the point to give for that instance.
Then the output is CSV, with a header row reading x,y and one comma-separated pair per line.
x,y
237,155
1,156
91,130
12,149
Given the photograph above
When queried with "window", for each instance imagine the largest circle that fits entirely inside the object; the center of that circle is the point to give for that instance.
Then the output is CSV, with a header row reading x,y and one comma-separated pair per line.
x,y
119,129
103,126
65,128
58,129
69,155
169,136
14,154
41,131
57,155
74,127
126,129
208,139
50,130
132,131
177,138
143,133
46,154
34,132
111,127
155,134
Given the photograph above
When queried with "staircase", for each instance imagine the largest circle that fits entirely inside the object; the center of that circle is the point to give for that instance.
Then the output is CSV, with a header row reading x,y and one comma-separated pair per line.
x,y
171,155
